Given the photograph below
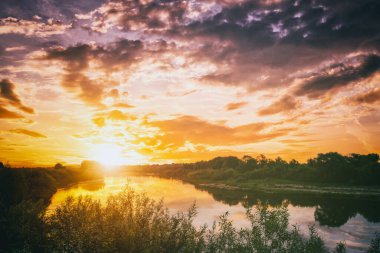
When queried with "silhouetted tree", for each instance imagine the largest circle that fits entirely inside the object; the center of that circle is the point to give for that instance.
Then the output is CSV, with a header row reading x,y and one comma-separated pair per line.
x,y
58,166
262,160
13,186
42,185
294,163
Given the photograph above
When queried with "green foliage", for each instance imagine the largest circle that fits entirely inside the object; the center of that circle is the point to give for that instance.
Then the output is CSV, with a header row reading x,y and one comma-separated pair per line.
x,y
328,168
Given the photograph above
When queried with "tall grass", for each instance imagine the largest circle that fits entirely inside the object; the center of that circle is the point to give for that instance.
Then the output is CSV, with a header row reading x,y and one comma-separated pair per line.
x,y
132,222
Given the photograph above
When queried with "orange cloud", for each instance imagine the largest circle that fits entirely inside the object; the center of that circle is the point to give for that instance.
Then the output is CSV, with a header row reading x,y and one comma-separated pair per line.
x,y
285,104
119,115
235,106
123,105
99,121
5,114
27,132
174,133
114,115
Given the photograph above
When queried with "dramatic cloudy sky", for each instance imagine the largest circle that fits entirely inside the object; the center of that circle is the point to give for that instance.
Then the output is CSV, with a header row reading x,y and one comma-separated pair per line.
x,y
170,81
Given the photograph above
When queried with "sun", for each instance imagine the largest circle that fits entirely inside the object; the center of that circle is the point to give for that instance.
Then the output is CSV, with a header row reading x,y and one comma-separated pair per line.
x,y
109,155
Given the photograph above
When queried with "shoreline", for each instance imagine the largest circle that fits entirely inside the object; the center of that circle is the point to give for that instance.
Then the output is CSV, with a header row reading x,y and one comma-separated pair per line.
x,y
296,188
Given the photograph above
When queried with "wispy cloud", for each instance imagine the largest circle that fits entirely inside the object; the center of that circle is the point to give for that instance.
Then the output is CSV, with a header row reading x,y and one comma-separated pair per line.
x,y
27,132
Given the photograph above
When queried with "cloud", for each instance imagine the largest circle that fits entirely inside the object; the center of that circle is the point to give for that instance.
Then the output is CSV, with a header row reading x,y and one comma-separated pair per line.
x,y
117,115
250,43
32,9
371,97
336,24
100,119
262,40
5,114
27,132
285,104
135,15
235,106
30,28
115,56
176,132
339,75
8,96
123,105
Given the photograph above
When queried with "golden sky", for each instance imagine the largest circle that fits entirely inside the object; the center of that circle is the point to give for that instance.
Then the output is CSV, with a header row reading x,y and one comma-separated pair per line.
x,y
131,82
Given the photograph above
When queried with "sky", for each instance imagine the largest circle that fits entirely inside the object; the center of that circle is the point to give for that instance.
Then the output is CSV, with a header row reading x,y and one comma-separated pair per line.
x,y
161,81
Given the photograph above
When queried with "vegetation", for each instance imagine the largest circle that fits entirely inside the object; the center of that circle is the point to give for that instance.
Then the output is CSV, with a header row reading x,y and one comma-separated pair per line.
x,y
35,184
24,196
330,169
132,222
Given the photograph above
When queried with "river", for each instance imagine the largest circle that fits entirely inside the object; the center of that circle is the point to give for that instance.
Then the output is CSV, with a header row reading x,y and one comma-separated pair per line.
x,y
353,221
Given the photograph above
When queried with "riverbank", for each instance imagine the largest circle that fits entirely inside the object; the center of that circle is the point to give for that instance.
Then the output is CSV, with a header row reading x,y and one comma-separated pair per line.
x,y
237,181
296,188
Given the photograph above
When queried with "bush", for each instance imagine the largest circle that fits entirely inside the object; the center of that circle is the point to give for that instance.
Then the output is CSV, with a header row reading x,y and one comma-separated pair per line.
x,y
128,222
13,186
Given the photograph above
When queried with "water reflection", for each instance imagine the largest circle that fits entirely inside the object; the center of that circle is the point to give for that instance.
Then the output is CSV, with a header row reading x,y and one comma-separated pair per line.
x,y
336,219
330,210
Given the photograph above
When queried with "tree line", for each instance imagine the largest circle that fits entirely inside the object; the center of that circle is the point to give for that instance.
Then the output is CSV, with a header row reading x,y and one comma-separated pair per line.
x,y
335,168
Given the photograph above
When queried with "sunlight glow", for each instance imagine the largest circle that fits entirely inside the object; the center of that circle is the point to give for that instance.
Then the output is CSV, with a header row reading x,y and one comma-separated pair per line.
x,y
108,155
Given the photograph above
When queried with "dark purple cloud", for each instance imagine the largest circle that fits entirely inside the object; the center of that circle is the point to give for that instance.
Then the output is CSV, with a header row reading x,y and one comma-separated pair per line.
x,y
9,97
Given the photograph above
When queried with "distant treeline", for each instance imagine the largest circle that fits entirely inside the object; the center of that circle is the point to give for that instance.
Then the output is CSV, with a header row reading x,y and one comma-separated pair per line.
x,y
354,169
20,184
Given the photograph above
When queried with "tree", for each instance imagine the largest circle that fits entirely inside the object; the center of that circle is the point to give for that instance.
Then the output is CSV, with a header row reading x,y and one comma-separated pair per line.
x,y
231,162
262,160
58,166
1,166
294,163
249,162
13,187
